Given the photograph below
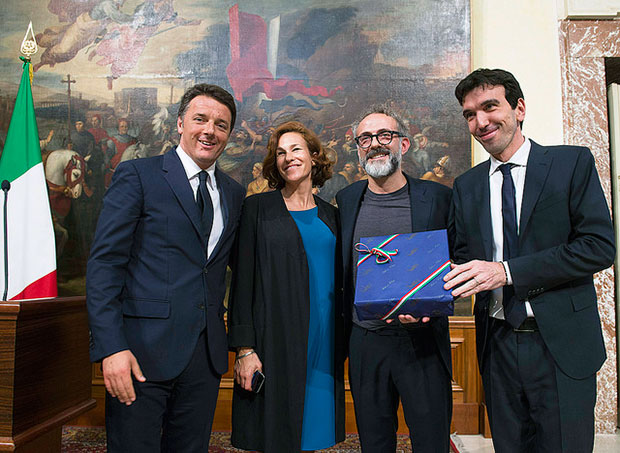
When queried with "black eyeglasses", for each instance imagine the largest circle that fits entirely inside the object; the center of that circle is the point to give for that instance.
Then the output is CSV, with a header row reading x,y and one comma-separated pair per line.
x,y
383,137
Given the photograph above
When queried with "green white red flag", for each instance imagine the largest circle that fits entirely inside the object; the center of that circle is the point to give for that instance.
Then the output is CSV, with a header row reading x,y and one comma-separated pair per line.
x,y
31,245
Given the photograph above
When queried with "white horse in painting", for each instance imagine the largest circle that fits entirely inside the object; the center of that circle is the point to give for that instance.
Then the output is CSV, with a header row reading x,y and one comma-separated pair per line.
x,y
64,171
65,168
135,151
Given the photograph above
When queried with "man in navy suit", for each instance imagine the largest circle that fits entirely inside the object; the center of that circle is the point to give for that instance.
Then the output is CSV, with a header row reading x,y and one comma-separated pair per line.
x,y
156,281
530,227
407,360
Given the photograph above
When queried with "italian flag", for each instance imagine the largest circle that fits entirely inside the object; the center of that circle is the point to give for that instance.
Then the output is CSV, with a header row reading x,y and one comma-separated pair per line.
x,y
31,245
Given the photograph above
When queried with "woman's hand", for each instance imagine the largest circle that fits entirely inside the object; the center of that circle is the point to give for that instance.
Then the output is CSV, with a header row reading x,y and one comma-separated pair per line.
x,y
245,368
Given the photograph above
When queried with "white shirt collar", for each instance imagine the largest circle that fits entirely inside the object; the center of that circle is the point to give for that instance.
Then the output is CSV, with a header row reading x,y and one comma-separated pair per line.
x,y
191,168
519,158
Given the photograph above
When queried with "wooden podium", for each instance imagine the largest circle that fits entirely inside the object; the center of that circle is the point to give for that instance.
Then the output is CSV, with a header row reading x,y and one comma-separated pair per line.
x,y
45,374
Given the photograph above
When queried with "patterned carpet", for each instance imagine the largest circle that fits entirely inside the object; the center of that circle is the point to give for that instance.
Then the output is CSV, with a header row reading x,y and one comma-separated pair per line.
x,y
77,439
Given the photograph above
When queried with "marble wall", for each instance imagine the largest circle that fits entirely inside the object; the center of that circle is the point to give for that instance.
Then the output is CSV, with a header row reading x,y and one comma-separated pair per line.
x,y
584,45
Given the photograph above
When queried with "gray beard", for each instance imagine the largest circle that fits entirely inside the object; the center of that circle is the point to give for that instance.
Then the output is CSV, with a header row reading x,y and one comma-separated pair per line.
x,y
381,169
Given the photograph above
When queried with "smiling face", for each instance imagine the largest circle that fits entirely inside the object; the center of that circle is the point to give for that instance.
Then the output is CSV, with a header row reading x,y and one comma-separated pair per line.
x,y
378,160
493,122
123,127
293,159
204,130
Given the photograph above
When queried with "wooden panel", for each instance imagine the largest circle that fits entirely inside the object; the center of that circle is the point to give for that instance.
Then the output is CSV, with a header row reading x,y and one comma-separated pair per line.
x,y
466,388
465,418
458,368
466,384
47,379
485,428
46,443
8,322
53,363
223,410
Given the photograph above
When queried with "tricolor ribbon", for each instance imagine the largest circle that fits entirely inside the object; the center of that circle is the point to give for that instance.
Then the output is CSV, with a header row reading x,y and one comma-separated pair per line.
x,y
417,288
383,256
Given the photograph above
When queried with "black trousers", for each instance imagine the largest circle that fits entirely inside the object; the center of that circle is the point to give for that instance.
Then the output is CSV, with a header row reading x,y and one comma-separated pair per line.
x,y
400,363
167,416
533,406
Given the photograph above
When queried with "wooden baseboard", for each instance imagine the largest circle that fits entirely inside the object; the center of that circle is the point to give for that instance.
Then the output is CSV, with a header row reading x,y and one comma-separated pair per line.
x,y
469,417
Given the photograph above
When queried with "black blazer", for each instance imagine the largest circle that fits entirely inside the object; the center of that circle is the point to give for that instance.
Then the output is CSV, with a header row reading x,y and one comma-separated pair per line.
x,y
149,285
565,235
430,204
269,310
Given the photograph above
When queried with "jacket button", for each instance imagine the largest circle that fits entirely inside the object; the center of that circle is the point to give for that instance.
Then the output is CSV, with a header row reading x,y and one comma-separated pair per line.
x,y
205,270
201,306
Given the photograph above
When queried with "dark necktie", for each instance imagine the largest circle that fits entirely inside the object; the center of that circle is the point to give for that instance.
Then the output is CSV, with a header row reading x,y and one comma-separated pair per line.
x,y
205,206
514,310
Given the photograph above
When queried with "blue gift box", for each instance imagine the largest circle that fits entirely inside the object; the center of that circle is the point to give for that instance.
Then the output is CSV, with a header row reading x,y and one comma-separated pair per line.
x,y
403,274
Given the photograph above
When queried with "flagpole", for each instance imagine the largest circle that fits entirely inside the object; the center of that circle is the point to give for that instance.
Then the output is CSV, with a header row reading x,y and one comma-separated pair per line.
x,y
6,185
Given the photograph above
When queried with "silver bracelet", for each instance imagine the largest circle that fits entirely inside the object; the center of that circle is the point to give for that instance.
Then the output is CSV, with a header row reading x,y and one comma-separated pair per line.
x,y
245,354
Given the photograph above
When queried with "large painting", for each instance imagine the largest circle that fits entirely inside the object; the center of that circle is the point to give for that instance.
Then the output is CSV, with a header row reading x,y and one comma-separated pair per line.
x,y
109,75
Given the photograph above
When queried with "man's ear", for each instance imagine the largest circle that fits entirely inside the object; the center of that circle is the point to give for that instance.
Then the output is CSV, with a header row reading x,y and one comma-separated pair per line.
x,y
520,110
404,145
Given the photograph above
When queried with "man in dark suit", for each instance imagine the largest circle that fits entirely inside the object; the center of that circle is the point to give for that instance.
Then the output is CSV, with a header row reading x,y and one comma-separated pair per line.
x,y
530,226
156,281
410,358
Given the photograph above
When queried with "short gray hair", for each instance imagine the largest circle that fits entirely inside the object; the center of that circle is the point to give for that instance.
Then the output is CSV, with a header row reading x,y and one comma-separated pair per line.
x,y
403,125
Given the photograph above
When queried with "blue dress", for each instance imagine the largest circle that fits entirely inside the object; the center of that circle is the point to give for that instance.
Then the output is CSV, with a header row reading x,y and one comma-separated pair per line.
x,y
318,429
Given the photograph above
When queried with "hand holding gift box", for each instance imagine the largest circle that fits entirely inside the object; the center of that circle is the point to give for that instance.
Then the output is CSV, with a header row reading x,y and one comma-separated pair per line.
x,y
403,274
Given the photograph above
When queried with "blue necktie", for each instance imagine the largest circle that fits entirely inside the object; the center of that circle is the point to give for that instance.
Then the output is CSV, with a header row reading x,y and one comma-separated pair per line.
x,y
205,206
514,310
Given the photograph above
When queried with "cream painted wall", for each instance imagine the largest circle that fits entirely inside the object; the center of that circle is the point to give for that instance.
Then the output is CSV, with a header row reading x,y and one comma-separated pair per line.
x,y
590,9
522,37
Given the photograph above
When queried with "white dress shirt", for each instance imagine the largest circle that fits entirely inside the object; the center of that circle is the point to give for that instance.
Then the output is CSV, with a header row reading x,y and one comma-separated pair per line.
x,y
192,170
519,161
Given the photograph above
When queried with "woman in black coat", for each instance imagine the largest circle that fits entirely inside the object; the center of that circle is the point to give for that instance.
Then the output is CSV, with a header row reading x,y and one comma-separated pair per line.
x,y
285,315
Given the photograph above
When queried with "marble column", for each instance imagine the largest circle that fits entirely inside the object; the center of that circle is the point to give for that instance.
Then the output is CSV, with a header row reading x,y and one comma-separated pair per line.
x,y
583,47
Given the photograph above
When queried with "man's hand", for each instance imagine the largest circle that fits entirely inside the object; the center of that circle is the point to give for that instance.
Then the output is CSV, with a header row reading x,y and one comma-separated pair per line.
x,y
408,319
473,277
117,370
245,368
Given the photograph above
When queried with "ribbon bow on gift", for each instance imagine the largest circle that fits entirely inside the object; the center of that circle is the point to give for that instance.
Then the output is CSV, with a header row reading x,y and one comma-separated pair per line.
x,y
383,256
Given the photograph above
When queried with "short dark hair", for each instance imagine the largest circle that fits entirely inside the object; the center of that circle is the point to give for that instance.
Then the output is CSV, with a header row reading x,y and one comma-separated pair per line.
x,y
322,168
384,109
211,91
490,78
484,77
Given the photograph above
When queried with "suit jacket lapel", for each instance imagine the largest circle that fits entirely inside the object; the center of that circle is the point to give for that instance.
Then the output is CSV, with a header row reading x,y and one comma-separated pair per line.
x,y
177,179
481,204
349,211
223,187
538,165
420,206
226,201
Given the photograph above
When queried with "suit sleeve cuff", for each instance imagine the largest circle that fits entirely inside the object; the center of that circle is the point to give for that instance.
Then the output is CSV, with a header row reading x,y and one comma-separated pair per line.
x,y
241,336
507,271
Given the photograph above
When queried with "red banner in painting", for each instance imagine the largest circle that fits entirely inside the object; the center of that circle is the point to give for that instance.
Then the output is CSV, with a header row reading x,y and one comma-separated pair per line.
x,y
247,72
